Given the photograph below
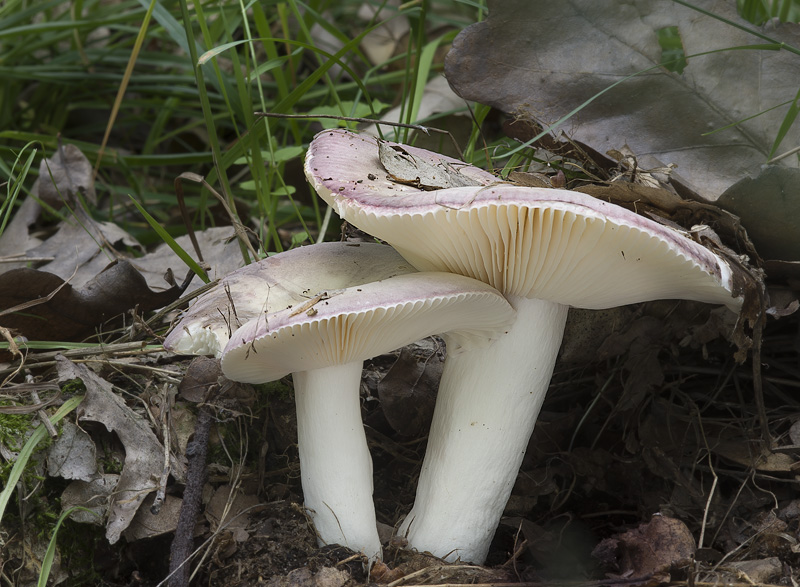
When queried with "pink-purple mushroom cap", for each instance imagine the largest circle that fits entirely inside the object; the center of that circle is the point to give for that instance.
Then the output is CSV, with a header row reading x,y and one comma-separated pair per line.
x,y
284,280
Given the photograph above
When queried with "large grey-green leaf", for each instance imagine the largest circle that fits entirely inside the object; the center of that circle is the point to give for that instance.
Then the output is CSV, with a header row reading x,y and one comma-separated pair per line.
x,y
542,59
770,208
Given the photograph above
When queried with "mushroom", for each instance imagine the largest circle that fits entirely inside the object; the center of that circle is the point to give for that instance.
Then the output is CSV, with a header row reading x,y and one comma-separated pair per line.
x,y
284,280
291,281
545,250
297,284
324,345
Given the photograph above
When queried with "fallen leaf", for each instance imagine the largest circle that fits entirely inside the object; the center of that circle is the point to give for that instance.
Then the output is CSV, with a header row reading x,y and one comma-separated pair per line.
x,y
406,168
649,551
93,495
757,571
72,455
218,246
230,508
749,455
539,61
16,238
203,372
72,313
380,44
81,248
144,454
65,175
146,525
304,577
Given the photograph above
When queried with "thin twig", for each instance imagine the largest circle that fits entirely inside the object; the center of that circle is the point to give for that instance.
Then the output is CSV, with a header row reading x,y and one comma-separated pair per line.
x,y
162,482
196,453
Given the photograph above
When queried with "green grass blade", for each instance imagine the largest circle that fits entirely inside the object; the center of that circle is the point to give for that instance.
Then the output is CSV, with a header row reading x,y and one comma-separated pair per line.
x,y
28,449
424,64
176,248
560,121
49,555
786,124
15,185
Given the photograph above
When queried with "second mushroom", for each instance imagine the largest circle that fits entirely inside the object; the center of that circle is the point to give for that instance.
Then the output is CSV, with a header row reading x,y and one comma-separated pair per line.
x,y
323,342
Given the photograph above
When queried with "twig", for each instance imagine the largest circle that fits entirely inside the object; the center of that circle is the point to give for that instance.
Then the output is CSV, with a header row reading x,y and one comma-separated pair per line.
x,y
196,453
162,483
40,413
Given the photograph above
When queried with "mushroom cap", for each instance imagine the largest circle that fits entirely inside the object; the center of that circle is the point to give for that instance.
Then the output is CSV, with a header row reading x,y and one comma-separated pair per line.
x,y
359,322
281,281
550,244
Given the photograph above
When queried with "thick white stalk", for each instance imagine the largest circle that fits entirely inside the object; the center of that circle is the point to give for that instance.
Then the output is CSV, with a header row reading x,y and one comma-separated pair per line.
x,y
335,464
485,413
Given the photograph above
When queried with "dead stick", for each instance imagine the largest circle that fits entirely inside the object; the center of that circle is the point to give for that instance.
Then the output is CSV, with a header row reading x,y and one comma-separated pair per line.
x,y
182,544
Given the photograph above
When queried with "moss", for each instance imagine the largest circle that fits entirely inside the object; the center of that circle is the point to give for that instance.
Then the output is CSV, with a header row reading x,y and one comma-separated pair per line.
x,y
14,428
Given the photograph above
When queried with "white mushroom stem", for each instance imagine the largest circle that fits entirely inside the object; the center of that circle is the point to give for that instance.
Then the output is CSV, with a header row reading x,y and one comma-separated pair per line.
x,y
335,464
485,413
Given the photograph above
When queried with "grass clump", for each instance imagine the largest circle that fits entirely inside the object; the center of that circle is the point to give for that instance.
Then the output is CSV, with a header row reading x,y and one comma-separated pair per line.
x,y
151,90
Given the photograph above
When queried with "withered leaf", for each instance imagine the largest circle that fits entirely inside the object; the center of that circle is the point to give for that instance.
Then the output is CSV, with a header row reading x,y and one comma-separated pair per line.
x,y
73,455
64,175
750,455
648,551
72,313
769,206
203,373
145,524
406,168
144,454
530,179
658,112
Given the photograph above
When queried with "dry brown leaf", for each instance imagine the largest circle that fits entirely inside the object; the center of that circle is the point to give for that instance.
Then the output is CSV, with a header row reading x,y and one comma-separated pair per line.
x,y
759,571
203,372
748,454
81,248
406,168
146,525
220,251
16,238
380,44
92,495
304,577
72,455
230,508
72,313
65,175
649,551
144,454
